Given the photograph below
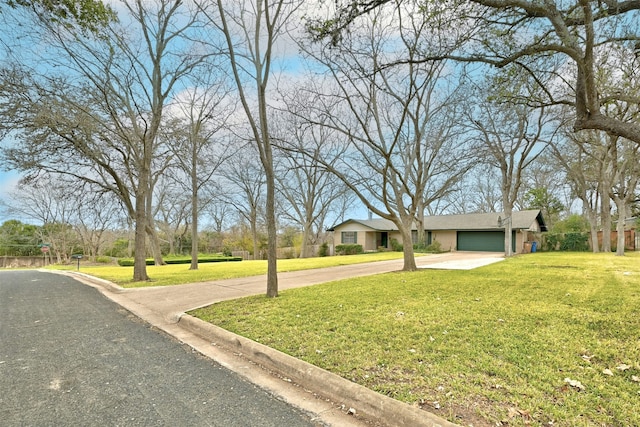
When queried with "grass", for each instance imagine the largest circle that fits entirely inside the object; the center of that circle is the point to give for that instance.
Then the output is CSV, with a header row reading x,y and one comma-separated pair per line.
x,y
498,344
175,274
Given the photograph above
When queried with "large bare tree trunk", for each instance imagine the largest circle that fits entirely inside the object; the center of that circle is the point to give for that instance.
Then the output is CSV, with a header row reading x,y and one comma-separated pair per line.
x,y
508,233
140,247
306,233
154,242
261,22
407,250
194,230
593,227
621,206
621,239
272,232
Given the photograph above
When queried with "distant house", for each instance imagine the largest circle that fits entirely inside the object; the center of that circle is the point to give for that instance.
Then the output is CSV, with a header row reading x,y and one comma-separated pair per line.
x,y
469,232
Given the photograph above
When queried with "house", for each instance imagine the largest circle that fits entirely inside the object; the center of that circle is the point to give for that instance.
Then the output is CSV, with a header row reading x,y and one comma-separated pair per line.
x,y
468,232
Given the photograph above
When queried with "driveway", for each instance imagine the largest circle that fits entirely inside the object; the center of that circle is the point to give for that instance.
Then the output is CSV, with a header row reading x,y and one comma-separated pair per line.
x,y
459,260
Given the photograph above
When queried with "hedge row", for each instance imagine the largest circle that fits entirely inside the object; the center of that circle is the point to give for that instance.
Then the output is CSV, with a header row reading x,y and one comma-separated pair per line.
x,y
128,262
351,249
566,241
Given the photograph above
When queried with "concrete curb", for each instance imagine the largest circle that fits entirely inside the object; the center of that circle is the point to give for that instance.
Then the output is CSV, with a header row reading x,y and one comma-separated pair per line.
x,y
88,279
367,403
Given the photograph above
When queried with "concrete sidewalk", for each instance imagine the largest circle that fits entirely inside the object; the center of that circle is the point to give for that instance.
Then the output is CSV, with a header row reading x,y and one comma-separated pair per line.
x,y
165,307
173,301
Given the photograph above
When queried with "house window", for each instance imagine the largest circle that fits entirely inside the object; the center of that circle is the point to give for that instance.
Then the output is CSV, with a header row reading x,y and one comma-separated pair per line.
x,y
349,237
426,237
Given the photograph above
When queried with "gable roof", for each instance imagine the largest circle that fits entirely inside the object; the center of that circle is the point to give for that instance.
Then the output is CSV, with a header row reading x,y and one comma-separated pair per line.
x,y
521,220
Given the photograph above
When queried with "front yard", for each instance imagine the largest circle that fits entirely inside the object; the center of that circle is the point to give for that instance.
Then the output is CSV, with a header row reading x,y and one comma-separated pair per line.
x,y
547,339
176,274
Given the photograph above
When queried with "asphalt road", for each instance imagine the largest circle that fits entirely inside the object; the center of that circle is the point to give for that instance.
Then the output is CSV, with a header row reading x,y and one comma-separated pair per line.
x,y
69,356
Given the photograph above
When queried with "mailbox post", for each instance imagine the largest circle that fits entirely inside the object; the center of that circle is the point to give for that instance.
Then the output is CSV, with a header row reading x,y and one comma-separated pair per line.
x,y
77,257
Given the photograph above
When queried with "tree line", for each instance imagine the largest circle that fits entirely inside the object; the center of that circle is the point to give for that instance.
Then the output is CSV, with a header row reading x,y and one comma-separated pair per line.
x,y
289,111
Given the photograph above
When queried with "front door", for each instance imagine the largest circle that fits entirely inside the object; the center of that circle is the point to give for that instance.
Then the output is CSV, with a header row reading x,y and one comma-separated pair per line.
x,y
384,237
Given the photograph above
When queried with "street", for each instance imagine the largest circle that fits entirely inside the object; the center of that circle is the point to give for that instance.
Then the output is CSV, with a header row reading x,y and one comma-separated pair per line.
x,y
70,356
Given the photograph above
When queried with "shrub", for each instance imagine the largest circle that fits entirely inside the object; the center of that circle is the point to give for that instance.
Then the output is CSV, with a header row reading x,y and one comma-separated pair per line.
x,y
575,242
351,249
396,246
434,247
552,241
103,259
324,249
128,262
566,242
573,224
120,248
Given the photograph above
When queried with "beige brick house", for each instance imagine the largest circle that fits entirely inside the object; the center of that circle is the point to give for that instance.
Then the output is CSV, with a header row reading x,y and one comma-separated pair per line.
x,y
468,232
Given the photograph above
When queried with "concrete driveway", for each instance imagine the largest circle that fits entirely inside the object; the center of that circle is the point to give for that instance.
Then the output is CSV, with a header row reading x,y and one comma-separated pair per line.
x,y
459,260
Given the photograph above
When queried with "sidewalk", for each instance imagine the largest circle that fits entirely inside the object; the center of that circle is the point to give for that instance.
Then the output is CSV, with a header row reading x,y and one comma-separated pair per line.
x,y
165,307
172,301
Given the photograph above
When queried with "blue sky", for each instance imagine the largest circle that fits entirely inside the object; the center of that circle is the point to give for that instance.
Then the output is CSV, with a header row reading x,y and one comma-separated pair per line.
x,y
7,183
288,62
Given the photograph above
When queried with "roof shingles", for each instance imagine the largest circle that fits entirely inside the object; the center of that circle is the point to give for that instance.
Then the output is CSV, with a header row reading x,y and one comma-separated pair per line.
x,y
521,220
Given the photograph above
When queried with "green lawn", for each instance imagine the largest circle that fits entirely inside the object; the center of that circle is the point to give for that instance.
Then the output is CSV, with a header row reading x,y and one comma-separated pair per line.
x,y
179,273
541,339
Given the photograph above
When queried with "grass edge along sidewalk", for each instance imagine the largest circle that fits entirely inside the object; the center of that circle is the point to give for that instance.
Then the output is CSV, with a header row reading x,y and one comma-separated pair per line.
x,y
542,339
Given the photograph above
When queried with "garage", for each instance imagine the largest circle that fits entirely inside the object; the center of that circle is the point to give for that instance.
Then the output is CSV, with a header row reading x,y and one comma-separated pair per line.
x,y
485,241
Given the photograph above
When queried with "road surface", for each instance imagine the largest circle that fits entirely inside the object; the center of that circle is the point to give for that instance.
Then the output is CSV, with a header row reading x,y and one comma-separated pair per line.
x,y
69,356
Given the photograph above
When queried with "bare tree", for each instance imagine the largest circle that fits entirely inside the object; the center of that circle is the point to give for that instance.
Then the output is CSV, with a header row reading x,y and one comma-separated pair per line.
x,y
311,193
172,213
618,73
603,167
247,191
479,191
400,150
625,183
251,29
510,138
48,201
97,213
95,111
584,168
541,38
216,209
196,138
74,215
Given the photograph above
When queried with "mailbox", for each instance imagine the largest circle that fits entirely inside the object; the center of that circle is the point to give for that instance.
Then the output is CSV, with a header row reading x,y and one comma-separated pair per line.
x,y
77,257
